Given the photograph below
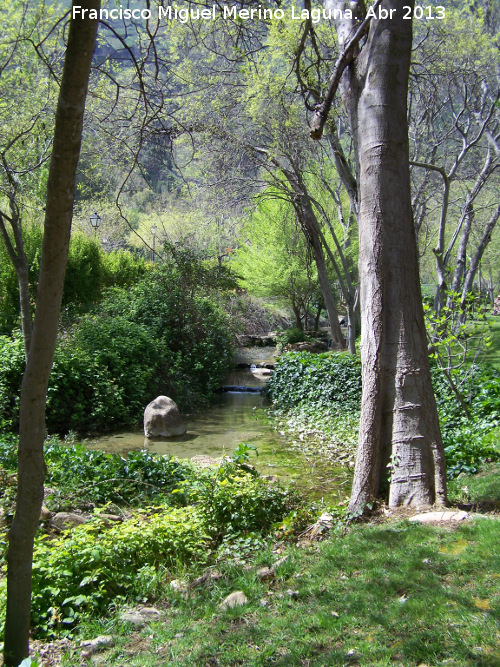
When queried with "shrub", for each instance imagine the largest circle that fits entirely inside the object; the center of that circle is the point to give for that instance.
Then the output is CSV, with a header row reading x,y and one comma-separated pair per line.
x,y
84,476
290,336
147,340
321,379
191,330
11,375
80,573
102,377
235,500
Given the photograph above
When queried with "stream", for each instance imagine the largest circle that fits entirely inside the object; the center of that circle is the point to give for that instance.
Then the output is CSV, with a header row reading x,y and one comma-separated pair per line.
x,y
239,417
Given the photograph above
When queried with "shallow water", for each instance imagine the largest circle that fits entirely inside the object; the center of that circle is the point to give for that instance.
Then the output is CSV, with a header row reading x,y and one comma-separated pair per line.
x,y
232,419
216,431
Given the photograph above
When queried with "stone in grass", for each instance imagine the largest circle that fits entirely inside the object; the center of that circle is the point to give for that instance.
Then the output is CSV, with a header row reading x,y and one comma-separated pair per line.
x,y
93,645
236,599
265,573
204,461
439,517
139,617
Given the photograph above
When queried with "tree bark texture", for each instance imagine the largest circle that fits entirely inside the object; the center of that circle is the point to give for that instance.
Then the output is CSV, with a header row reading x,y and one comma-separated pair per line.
x,y
399,441
58,216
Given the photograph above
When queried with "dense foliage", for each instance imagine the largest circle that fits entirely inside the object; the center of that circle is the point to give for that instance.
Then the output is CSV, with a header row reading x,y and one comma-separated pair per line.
x,y
163,335
323,389
90,270
198,514
320,379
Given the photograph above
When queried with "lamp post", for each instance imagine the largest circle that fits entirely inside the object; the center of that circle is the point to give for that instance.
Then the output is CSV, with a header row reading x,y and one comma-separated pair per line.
x,y
154,231
95,221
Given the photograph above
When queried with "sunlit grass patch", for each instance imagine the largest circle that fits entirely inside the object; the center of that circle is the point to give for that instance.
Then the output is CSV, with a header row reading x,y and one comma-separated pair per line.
x,y
386,594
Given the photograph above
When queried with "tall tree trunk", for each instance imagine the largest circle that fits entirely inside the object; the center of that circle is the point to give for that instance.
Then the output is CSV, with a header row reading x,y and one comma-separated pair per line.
x,y
476,262
311,227
461,262
305,214
58,216
399,428
20,263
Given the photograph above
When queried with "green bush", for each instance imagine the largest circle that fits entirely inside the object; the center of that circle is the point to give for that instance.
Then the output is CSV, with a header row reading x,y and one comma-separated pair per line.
x,y
320,379
11,375
153,338
85,477
82,572
88,272
290,336
191,330
102,377
236,501
466,438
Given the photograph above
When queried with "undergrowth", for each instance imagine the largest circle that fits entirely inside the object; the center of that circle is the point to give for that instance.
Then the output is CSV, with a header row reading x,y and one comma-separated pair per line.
x,y
191,517
322,393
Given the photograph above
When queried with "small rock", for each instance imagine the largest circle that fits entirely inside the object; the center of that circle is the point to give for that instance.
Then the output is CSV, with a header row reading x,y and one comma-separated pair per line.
x,y
90,647
179,635
177,585
265,573
233,600
45,514
203,461
139,617
66,520
293,594
439,517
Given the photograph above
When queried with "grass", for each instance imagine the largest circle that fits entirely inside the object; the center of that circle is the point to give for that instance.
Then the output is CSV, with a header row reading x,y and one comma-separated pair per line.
x,y
389,593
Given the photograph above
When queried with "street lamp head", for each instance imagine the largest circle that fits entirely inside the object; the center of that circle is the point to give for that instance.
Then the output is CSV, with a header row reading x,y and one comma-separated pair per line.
x,y
95,220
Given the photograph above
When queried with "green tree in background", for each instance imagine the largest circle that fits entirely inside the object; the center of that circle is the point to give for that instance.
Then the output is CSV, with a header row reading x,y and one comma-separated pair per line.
x,y
274,259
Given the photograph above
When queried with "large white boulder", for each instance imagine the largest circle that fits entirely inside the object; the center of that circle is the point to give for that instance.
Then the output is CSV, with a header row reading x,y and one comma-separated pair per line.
x,y
163,419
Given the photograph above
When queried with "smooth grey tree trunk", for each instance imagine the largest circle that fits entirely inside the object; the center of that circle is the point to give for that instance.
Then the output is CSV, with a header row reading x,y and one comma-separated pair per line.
x,y
399,442
58,216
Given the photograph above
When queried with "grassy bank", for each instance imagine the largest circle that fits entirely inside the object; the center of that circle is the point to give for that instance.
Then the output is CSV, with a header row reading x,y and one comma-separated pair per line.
x,y
390,592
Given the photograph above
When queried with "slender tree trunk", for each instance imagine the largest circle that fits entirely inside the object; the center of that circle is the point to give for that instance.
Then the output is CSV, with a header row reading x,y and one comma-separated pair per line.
x,y
459,272
309,224
399,428
476,261
338,340
20,263
59,210
351,328
317,317
298,317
